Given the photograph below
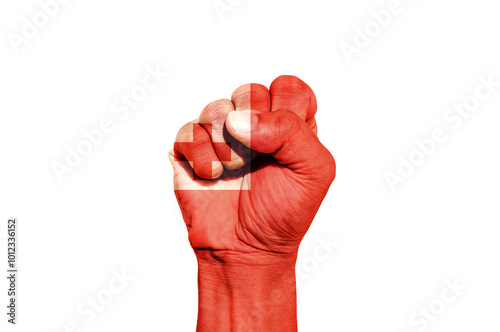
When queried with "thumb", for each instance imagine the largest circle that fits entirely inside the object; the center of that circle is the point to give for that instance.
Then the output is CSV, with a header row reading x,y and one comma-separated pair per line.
x,y
284,135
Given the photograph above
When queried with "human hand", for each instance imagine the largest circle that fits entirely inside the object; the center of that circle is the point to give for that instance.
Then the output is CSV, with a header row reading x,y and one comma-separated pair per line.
x,y
260,175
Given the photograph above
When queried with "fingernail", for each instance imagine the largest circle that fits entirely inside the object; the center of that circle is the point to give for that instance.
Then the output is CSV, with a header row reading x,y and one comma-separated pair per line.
x,y
242,121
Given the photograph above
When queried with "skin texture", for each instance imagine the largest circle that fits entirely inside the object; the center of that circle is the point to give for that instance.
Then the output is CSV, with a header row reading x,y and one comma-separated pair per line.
x,y
249,177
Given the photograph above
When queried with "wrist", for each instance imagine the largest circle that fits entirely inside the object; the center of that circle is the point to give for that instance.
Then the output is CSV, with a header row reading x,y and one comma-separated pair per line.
x,y
246,291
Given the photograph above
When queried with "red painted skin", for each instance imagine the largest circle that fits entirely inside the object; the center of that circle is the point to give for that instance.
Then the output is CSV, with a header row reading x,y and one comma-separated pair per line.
x,y
246,239
223,149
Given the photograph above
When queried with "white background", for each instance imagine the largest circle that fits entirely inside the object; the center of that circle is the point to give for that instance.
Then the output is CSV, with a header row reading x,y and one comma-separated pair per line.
x,y
117,210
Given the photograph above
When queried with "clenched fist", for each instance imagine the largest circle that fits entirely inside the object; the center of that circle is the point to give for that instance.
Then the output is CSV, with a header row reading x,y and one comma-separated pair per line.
x,y
249,177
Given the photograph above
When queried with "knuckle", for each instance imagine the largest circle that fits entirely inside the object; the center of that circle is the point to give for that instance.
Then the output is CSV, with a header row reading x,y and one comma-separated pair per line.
x,y
288,83
241,94
185,133
216,110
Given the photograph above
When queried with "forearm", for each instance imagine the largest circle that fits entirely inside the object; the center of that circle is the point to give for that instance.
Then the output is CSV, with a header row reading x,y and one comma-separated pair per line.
x,y
254,292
